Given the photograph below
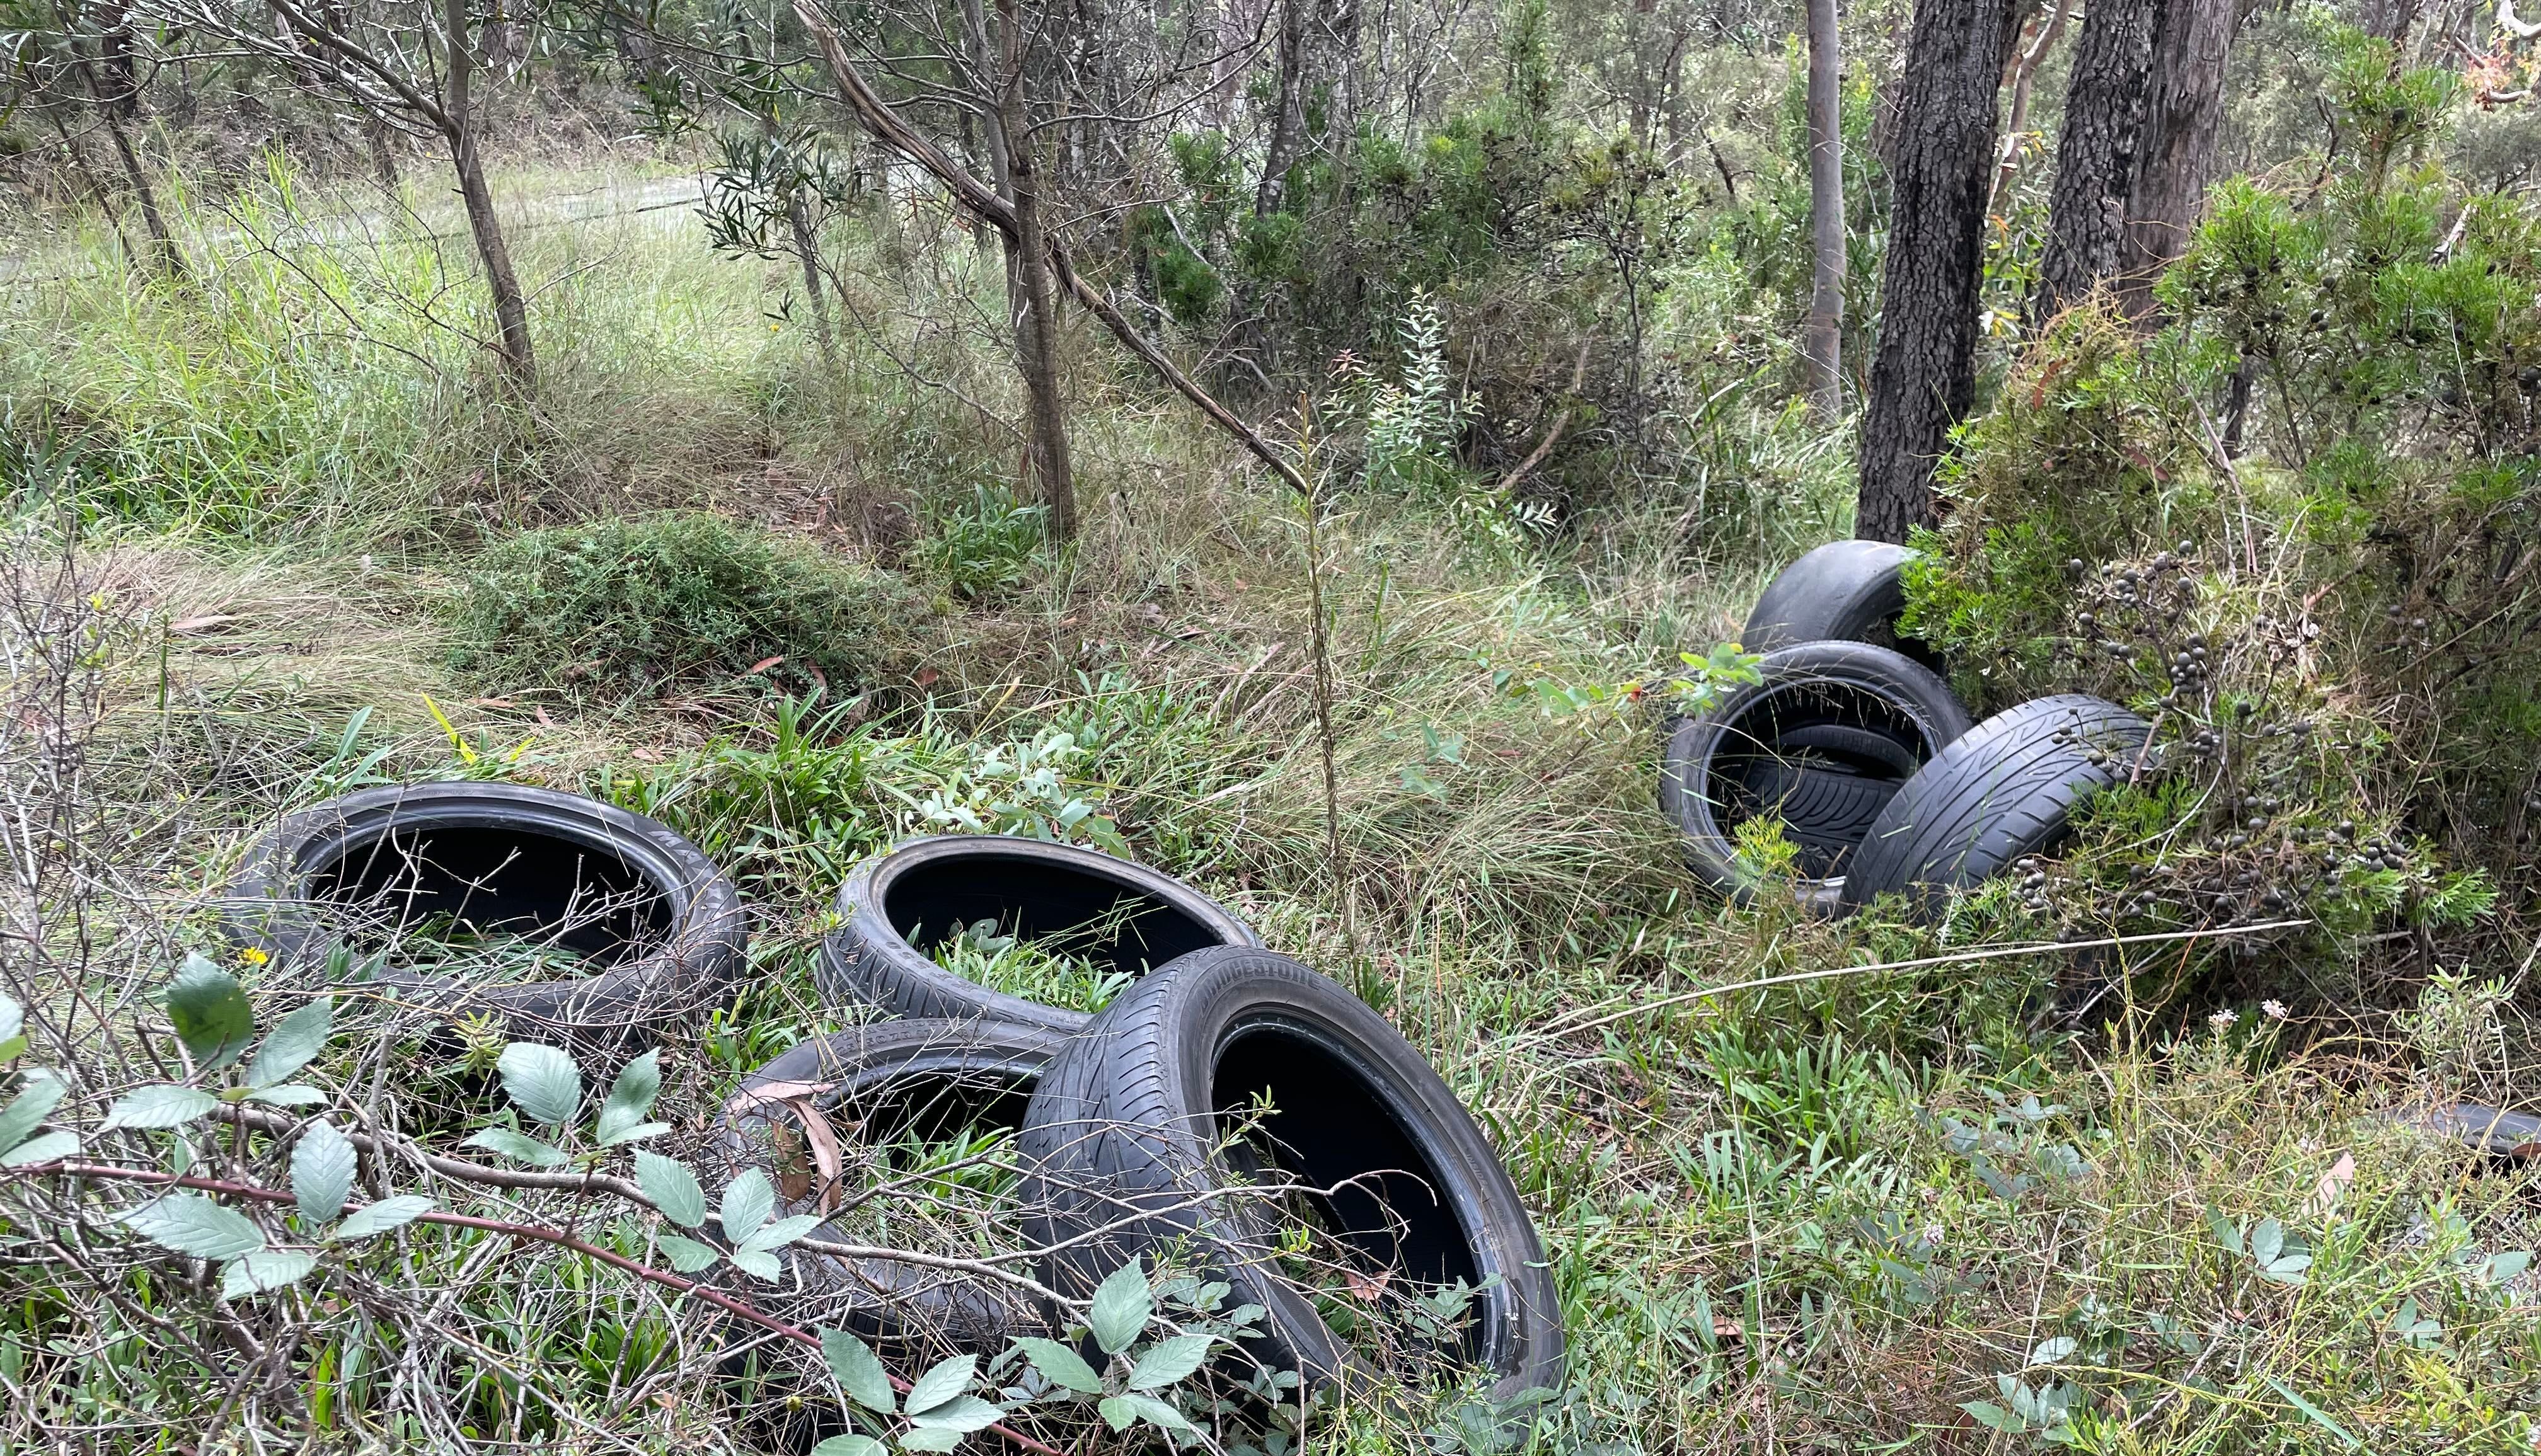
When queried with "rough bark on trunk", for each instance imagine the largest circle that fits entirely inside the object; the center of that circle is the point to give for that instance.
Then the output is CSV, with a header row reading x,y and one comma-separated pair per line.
x,y
2182,122
511,308
1288,120
1037,319
1822,346
1923,377
2095,157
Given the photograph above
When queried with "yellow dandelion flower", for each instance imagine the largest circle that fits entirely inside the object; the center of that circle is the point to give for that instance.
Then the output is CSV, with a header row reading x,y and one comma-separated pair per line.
x,y
255,955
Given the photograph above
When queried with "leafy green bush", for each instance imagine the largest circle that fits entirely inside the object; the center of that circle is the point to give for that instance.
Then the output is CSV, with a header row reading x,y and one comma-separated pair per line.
x,y
628,607
982,547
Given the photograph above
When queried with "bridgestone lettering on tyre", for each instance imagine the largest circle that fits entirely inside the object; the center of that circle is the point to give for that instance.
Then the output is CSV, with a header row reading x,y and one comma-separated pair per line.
x,y
1148,1139
1819,745
1845,591
2006,789
896,907
814,1119
590,886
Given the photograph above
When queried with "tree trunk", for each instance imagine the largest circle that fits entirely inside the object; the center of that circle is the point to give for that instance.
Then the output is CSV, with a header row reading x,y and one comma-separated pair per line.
x,y
2182,122
1037,320
1289,122
2025,79
511,309
2095,157
806,246
114,84
1923,376
163,244
1823,344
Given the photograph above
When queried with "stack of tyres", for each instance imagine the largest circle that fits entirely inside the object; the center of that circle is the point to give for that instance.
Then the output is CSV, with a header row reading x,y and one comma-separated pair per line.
x,y
1859,754
1225,1096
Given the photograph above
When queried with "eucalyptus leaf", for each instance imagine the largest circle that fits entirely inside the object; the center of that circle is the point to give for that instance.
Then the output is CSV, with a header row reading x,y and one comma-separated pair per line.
x,y
673,1189
321,1172
210,1012
189,1223
292,1044
858,1371
542,1081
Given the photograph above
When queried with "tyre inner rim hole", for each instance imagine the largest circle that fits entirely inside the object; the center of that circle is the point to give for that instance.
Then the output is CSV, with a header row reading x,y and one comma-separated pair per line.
x,y
910,1124
491,897
1821,757
1385,1234
1118,929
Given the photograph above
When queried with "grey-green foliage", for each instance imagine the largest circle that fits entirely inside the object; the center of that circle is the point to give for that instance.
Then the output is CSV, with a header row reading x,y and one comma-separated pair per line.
x,y
629,606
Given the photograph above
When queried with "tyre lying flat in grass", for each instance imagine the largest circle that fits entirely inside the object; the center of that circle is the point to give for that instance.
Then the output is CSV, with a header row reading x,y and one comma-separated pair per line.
x,y
1820,744
819,1120
897,911
568,920
1237,1107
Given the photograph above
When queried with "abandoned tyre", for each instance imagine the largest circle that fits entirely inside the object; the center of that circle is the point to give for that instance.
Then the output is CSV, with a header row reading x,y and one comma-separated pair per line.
x,y
1162,1126
1820,743
1093,922
1845,591
566,919
832,1117
2007,790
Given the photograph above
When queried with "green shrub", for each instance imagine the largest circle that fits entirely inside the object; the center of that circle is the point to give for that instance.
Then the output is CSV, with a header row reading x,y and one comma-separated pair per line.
x,y
982,547
629,607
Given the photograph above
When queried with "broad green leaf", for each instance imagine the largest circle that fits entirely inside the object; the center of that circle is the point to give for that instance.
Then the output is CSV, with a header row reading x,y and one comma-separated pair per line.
x,y
292,1044
542,1081
930,1438
289,1094
321,1172
1119,1412
688,1256
164,1106
9,1047
1148,1408
633,1133
746,1203
850,1446
210,1012
962,1415
782,1232
630,1096
13,1017
1122,1308
758,1263
2507,1267
266,1268
1169,1361
673,1189
29,1109
189,1223
518,1145
1060,1364
858,1371
43,1148
2048,1351
372,1220
942,1382
1988,1414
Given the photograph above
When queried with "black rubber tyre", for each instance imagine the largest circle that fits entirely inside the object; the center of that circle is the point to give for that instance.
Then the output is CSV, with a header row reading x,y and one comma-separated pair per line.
x,y
1845,591
1821,742
899,903
660,924
861,1089
1125,1123
2002,791
2489,1129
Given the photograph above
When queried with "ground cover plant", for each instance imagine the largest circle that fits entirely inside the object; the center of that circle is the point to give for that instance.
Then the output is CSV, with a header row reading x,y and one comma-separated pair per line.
x,y
2128,1152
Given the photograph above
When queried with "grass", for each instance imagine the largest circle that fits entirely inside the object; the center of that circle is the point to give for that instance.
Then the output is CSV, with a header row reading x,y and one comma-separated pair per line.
x,y
1872,1211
